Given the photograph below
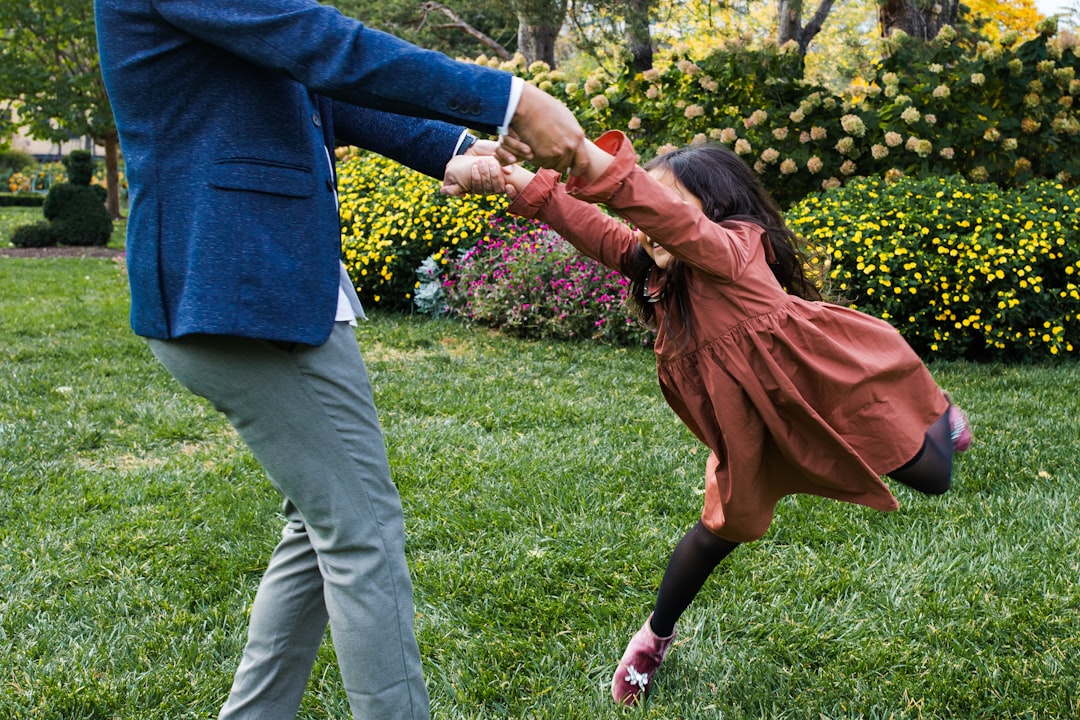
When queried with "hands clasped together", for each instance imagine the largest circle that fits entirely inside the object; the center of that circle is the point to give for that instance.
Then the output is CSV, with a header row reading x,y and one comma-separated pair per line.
x,y
493,168
543,132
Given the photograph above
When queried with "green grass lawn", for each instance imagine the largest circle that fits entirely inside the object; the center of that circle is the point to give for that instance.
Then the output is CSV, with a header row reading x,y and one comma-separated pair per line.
x,y
544,485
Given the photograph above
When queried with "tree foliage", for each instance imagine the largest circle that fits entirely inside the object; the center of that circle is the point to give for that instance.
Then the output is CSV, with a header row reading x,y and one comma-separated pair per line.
x,y
994,19
612,34
434,29
51,78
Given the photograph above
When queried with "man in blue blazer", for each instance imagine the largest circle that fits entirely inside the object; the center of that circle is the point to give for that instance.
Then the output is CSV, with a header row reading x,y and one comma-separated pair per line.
x,y
227,112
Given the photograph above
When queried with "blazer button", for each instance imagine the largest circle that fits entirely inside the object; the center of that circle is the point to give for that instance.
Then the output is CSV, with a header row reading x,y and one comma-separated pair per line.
x,y
317,120
330,185
455,105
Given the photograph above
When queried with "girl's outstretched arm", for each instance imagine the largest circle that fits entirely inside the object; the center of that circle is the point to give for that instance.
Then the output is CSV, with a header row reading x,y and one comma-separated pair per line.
x,y
722,250
542,196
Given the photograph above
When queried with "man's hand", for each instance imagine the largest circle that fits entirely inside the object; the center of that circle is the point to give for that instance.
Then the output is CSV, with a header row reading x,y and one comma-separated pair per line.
x,y
548,129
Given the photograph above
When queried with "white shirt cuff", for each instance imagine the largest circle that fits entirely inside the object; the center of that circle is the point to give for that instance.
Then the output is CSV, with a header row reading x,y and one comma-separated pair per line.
x,y
517,86
461,139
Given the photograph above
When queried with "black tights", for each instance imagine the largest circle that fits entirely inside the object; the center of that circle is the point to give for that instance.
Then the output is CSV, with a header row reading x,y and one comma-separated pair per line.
x,y
930,471
699,552
694,559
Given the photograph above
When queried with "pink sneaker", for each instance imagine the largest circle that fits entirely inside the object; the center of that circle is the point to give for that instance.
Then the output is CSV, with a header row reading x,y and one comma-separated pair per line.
x,y
959,430
633,678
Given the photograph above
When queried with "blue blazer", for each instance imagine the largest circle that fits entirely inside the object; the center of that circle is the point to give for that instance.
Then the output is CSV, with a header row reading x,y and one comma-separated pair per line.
x,y
226,110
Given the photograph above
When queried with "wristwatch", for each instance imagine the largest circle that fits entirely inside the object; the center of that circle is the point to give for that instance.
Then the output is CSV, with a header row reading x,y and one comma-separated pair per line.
x,y
466,142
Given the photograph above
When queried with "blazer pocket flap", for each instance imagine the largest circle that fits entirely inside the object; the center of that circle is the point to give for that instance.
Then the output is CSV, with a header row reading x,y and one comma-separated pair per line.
x,y
263,176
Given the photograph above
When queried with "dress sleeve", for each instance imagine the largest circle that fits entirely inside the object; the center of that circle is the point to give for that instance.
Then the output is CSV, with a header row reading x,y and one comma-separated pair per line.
x,y
584,225
719,249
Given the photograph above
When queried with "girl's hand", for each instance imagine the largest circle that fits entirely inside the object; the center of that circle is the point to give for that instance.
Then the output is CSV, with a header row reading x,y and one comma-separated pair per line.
x,y
591,162
511,149
479,175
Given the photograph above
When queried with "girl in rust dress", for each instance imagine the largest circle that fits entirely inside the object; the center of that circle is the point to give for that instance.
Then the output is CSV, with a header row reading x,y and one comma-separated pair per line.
x,y
791,394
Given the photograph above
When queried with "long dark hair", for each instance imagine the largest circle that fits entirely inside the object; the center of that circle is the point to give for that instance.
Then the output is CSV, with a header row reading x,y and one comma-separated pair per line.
x,y
728,190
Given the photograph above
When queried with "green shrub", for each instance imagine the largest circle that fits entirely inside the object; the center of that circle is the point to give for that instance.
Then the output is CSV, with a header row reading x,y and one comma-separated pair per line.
x,y
393,218
80,167
963,270
33,236
76,209
14,167
13,161
77,215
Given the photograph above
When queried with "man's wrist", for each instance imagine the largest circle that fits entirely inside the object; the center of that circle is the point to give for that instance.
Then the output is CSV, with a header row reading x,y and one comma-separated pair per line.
x,y
467,141
517,87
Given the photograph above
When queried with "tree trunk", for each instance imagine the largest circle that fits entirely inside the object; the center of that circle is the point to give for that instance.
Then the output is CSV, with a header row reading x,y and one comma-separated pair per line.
x,y
919,18
539,22
112,173
638,37
789,13
791,28
536,41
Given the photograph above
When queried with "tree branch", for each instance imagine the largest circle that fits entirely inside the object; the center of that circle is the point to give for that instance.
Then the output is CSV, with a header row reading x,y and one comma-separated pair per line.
x,y
814,26
457,23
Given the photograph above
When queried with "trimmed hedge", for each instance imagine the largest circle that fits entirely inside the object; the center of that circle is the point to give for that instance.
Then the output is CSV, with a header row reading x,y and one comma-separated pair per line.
x,y
21,200
963,270
36,235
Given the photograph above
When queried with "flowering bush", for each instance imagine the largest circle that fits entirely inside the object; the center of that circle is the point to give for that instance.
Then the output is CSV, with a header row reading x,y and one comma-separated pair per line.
x,y
47,175
393,218
1005,112
41,179
18,183
526,280
963,270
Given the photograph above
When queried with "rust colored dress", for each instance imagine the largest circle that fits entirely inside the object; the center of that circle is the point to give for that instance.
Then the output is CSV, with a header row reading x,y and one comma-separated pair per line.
x,y
791,396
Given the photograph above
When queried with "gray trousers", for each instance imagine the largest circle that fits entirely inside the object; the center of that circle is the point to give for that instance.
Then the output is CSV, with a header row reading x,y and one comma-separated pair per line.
x,y
308,416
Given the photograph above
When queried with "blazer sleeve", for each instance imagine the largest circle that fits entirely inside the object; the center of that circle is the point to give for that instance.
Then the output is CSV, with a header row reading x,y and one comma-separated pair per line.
x,y
339,57
423,145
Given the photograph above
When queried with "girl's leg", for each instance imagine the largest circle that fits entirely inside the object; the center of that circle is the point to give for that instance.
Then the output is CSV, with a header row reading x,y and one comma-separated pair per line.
x,y
930,471
694,559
